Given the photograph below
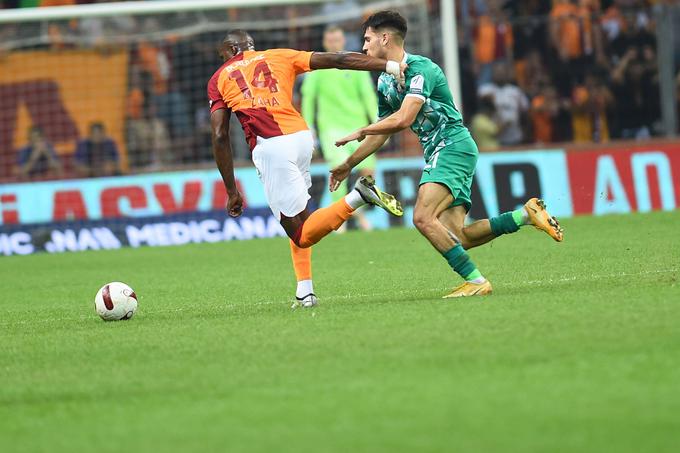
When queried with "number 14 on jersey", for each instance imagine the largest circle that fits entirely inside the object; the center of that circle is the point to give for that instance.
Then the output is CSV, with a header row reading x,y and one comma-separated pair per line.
x,y
262,78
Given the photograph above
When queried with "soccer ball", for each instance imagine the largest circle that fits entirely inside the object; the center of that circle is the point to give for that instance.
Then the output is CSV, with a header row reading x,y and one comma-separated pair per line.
x,y
115,301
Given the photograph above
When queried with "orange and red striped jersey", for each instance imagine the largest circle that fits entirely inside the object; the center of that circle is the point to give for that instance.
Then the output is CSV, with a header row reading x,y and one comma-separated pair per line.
x,y
258,88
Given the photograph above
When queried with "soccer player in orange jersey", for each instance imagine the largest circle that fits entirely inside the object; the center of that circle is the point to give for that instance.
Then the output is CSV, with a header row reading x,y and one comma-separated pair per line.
x,y
257,86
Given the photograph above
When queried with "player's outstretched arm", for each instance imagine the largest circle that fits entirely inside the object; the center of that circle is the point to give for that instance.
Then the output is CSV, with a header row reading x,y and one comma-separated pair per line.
x,y
342,171
219,122
401,119
357,61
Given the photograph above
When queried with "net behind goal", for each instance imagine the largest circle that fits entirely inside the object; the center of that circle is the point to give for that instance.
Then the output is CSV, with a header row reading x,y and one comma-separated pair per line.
x,y
136,73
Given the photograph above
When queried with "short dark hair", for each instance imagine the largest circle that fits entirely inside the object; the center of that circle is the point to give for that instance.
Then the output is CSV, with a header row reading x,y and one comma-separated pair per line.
x,y
386,19
240,39
97,125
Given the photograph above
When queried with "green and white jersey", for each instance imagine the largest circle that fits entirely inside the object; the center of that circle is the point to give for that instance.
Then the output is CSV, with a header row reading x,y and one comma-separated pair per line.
x,y
438,123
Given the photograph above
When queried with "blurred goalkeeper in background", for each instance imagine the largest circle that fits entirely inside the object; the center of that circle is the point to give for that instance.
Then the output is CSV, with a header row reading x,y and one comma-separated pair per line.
x,y
335,103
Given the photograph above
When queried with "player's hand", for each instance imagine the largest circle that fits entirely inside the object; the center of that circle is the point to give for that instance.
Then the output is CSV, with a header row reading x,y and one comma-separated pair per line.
x,y
338,175
402,68
235,204
397,70
357,135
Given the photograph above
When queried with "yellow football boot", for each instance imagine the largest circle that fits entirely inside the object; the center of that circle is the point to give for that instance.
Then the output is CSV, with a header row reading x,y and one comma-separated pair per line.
x,y
373,195
542,220
471,289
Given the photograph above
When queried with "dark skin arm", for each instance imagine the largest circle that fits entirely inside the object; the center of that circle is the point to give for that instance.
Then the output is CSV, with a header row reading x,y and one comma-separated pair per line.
x,y
219,123
348,60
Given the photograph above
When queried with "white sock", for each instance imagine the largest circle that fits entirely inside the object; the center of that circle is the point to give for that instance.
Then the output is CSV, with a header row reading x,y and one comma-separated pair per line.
x,y
304,287
525,216
354,199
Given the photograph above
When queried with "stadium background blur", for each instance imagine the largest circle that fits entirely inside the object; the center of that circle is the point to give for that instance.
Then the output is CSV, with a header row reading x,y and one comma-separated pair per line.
x,y
535,76
555,73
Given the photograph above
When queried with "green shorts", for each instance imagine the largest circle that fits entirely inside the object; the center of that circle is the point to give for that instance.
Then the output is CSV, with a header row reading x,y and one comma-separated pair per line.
x,y
454,167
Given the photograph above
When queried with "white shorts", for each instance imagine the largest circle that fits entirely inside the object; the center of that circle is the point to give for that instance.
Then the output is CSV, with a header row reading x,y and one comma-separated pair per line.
x,y
283,167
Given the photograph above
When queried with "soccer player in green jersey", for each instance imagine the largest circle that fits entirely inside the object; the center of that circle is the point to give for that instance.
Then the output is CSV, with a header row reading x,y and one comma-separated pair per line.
x,y
335,102
424,103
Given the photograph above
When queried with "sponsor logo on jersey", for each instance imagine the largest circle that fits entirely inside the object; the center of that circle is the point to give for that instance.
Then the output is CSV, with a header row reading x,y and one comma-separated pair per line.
x,y
238,64
417,85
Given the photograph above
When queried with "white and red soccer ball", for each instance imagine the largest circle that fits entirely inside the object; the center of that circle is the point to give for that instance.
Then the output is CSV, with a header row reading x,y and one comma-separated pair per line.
x,y
115,301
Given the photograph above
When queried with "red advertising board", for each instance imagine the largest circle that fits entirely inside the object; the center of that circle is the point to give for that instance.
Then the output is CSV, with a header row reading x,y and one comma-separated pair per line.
x,y
625,178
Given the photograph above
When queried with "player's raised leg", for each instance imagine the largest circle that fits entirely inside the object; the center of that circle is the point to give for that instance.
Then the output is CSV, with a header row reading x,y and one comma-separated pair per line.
x,y
306,230
533,213
283,164
433,199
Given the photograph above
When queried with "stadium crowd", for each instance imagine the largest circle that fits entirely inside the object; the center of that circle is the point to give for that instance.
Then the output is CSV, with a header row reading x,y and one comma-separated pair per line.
x,y
567,70
533,72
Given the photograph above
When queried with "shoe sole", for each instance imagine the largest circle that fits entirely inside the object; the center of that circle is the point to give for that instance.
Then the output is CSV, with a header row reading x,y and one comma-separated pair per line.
x,y
542,220
386,201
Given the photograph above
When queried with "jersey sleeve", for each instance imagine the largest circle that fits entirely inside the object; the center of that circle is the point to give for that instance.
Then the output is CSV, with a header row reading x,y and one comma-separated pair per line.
x,y
420,82
299,59
215,100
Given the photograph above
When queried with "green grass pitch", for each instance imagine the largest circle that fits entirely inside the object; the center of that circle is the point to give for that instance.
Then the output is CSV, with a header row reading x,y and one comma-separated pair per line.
x,y
577,350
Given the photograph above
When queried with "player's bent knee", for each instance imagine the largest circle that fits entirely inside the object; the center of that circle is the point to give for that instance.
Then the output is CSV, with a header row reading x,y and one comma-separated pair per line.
x,y
303,244
298,239
418,221
423,223
294,232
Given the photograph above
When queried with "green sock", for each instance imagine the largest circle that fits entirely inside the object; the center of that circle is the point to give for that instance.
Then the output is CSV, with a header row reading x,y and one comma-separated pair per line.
x,y
520,216
474,275
508,222
461,263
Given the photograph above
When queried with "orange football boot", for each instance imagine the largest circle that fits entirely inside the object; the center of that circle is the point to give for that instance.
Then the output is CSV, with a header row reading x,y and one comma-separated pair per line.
x,y
542,220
